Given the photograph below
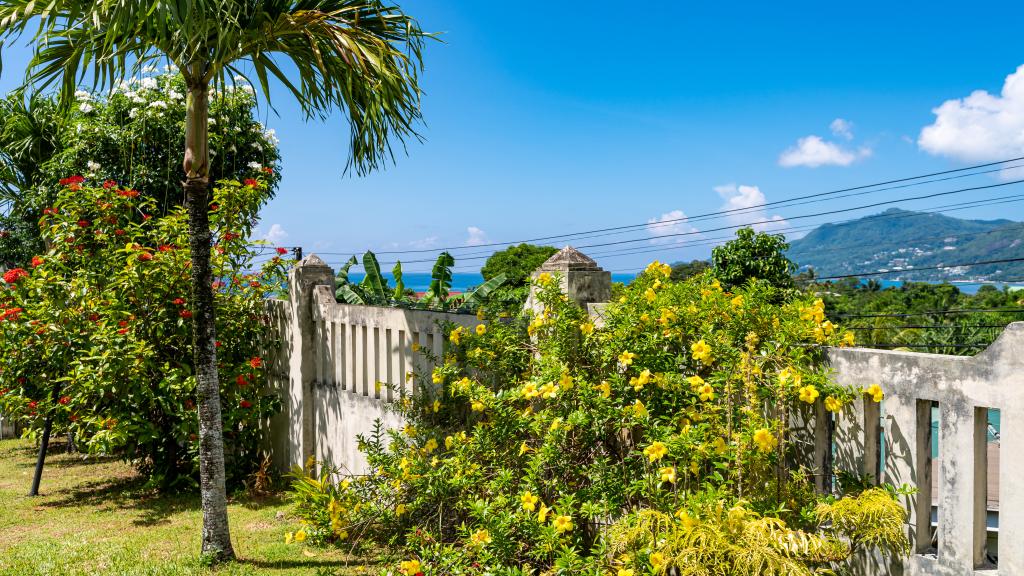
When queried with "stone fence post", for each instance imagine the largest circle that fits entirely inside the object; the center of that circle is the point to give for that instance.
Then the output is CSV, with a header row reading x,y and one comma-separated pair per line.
x,y
580,277
302,279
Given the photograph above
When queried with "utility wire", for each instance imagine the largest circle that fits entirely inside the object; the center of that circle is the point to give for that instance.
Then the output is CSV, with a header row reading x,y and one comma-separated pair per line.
x,y
722,213
937,313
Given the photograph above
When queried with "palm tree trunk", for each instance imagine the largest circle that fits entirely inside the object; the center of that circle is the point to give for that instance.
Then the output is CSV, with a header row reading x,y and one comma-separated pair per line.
x,y
216,537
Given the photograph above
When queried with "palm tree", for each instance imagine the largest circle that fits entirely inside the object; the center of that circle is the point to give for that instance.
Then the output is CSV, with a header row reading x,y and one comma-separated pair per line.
x,y
360,57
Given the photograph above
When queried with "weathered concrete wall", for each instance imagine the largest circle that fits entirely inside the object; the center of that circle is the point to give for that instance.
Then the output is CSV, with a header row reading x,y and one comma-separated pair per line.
x,y
964,388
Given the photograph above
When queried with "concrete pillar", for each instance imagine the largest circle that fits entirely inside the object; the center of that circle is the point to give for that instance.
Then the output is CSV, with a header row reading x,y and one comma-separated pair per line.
x,y
579,276
304,363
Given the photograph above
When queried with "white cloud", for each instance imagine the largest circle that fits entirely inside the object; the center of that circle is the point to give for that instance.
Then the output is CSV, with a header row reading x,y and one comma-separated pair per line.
x,y
812,151
424,243
276,234
476,236
980,127
669,227
748,202
842,128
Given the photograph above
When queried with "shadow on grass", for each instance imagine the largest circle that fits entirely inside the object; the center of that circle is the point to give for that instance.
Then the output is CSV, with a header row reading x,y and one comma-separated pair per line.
x,y
308,563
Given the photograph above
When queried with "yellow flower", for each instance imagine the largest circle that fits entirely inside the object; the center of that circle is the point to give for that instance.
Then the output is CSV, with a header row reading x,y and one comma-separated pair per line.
x,y
719,446
555,424
765,440
833,404
288,537
481,329
695,382
481,538
737,302
657,561
605,389
658,268
656,451
707,393
529,502
789,376
650,295
808,394
642,380
562,524
456,335
587,328
639,409
523,448
668,474
875,391
687,520
542,514
565,381
667,316
448,442
530,390
849,339
625,572
548,390
416,346
409,430
437,405
543,278
701,351
437,376
626,358
477,406
480,314
410,567
300,536
430,446
400,509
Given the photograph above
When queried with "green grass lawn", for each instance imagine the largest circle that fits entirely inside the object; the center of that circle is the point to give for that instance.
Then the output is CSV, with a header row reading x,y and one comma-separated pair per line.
x,y
94,517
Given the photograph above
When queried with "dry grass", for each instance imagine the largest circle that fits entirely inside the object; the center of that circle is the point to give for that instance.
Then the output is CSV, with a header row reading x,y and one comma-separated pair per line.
x,y
95,517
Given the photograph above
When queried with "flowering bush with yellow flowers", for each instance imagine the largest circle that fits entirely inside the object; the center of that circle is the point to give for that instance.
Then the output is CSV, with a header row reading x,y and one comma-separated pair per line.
x,y
654,440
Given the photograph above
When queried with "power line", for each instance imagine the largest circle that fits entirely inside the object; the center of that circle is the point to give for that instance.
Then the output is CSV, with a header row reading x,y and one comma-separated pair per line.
x,y
937,313
918,268
721,213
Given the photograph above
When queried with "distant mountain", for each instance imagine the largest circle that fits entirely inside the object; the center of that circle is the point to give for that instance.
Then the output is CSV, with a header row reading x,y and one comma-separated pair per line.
x,y
900,240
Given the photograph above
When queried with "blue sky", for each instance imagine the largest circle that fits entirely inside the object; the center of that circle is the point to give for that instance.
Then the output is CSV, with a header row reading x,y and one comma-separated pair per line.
x,y
579,115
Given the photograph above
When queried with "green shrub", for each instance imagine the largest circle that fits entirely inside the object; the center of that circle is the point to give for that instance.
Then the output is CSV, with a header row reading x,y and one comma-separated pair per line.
x,y
97,333
658,440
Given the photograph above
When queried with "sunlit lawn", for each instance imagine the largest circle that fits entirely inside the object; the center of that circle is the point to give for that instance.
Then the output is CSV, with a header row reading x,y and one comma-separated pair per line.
x,y
93,517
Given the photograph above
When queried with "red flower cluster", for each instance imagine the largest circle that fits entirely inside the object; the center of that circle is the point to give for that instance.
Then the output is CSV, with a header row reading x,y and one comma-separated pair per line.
x,y
268,170
245,404
83,223
229,236
37,261
128,193
33,404
108,184
178,301
118,232
242,381
256,362
14,274
49,211
73,182
165,248
11,314
251,182
64,400
186,314
282,251
145,257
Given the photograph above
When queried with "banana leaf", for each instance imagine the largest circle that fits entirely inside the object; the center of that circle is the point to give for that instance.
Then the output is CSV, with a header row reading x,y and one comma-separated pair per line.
x,y
374,285
399,285
342,276
477,296
348,293
441,278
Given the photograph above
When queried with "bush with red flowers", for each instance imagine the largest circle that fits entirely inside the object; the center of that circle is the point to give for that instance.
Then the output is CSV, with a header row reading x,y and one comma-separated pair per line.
x,y
98,334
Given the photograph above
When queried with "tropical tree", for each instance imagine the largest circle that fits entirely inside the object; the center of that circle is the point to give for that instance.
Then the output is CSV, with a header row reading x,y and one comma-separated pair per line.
x,y
753,255
361,57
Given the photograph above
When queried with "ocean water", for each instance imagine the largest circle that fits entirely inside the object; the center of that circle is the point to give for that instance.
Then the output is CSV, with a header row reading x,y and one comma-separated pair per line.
x,y
965,287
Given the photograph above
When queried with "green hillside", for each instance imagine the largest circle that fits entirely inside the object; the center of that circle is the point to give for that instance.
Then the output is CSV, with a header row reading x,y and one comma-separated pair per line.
x,y
901,240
